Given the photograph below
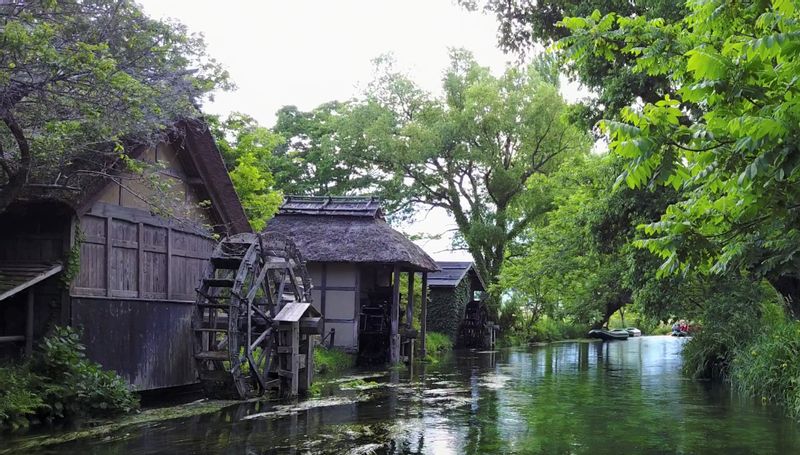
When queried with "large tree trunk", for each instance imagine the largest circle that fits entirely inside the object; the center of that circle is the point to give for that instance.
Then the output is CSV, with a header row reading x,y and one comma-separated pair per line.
x,y
789,288
622,299
19,175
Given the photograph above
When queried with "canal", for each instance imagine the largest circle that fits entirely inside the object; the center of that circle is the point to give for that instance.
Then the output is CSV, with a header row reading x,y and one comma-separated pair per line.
x,y
562,398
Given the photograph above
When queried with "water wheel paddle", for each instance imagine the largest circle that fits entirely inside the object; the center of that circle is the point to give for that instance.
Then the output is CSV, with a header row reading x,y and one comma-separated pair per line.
x,y
249,279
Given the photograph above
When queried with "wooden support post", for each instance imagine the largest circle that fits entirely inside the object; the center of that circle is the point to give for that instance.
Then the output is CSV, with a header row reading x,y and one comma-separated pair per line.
x,y
29,325
109,247
410,306
307,376
424,315
394,341
295,359
140,262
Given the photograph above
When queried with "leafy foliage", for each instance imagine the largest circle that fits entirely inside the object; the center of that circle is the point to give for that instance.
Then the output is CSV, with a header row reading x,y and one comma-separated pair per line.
x,y
727,136
526,27
768,369
446,308
470,153
578,262
247,149
78,77
59,382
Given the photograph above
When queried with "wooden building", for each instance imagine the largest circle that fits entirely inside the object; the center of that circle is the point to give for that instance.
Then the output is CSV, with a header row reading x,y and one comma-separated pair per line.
x,y
355,260
456,305
92,251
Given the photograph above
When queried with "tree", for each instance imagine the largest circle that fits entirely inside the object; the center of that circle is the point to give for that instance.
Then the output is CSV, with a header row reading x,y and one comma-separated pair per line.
x,y
311,161
247,149
579,263
525,27
727,138
470,153
77,77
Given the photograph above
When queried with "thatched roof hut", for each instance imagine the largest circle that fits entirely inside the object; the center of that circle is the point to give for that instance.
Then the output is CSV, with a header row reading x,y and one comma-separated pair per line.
x,y
355,260
346,229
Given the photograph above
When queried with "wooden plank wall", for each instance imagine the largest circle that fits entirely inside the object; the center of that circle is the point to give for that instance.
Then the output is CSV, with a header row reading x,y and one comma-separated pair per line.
x,y
148,343
131,255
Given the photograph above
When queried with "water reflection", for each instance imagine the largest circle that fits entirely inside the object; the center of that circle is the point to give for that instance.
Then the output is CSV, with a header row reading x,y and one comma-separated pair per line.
x,y
571,398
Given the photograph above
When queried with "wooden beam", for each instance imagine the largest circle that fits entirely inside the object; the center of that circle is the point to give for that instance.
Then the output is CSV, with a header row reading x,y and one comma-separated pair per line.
x,y
12,338
29,325
140,262
109,246
169,263
424,315
410,306
43,276
394,341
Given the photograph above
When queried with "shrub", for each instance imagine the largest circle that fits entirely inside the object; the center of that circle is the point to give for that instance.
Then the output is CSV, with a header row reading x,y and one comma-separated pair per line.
x,y
731,321
331,360
768,367
18,402
59,382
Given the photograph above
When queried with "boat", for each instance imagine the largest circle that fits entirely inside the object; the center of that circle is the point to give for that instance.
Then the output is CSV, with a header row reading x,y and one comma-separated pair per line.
x,y
680,333
633,331
609,335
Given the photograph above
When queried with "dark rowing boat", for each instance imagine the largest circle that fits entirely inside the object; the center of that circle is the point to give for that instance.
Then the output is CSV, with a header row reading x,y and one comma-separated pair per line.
x,y
609,335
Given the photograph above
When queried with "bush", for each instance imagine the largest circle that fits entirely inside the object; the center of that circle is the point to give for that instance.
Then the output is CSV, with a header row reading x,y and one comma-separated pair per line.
x,y
18,402
768,367
731,321
331,360
551,329
59,382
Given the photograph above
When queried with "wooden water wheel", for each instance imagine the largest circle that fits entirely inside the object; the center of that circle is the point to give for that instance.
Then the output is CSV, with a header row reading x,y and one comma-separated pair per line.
x,y
475,329
250,278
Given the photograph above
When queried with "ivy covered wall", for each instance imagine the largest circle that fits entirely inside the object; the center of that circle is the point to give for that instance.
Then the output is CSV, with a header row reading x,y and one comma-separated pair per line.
x,y
446,308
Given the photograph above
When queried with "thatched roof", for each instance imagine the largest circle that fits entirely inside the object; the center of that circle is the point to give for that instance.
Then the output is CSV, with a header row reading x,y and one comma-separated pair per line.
x,y
346,230
450,274
332,205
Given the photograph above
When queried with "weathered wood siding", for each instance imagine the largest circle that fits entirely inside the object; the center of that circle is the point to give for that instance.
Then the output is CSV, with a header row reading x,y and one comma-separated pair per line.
x,y
133,295
148,343
127,253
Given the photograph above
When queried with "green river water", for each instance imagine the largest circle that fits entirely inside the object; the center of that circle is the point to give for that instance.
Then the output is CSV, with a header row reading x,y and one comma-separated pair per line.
x,y
564,398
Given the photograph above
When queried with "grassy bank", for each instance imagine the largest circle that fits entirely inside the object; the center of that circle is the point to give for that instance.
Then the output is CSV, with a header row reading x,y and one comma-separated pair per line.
x,y
332,361
545,329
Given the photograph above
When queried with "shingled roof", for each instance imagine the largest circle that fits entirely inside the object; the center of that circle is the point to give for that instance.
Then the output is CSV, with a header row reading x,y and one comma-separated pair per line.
x,y
81,181
346,229
450,274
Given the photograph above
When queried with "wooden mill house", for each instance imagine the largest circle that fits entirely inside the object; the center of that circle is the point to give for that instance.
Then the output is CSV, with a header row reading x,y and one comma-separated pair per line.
x,y
95,254
355,260
456,305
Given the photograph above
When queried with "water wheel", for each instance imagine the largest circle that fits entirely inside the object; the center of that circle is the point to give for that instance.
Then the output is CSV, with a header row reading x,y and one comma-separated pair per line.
x,y
249,279
475,328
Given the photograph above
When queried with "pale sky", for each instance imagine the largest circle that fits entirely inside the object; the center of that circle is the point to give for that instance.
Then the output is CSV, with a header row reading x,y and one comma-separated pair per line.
x,y
307,52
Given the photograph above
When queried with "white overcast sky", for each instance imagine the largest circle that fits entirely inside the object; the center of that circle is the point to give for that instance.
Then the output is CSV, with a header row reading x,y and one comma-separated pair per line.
x,y
305,53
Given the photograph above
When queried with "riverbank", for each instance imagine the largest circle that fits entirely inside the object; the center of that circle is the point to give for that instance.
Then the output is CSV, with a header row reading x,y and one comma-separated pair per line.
x,y
44,437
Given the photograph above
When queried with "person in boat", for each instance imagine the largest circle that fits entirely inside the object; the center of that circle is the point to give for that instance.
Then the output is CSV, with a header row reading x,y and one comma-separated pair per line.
x,y
676,328
683,326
